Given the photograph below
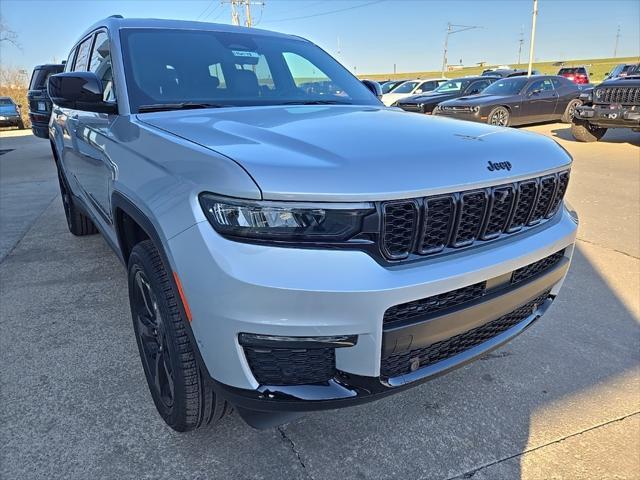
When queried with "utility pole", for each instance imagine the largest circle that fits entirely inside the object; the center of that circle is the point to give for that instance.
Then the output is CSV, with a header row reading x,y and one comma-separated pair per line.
x,y
520,42
533,36
615,50
236,7
451,29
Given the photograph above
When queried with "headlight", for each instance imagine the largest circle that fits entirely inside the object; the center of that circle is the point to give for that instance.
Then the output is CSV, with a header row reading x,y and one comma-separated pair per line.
x,y
598,93
284,221
437,108
476,109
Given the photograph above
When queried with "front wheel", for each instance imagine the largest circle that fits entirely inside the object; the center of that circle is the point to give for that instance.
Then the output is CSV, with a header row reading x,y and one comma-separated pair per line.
x,y
499,117
567,116
585,132
182,396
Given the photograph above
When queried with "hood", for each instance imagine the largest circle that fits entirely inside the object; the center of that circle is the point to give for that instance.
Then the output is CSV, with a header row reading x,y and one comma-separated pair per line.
x,y
479,100
359,153
429,98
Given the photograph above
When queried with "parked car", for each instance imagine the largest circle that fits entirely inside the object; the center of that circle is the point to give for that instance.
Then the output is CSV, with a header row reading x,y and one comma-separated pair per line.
x,y
287,251
10,115
622,70
578,75
506,73
411,87
39,101
517,101
388,86
454,88
614,104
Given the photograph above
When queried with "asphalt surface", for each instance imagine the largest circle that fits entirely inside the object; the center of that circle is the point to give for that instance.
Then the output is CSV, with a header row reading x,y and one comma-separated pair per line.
x,y
561,401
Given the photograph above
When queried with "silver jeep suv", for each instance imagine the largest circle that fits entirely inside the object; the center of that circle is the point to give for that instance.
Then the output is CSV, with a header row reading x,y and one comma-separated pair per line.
x,y
291,243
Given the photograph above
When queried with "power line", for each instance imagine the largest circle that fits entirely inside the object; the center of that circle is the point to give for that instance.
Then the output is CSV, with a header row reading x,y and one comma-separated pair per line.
x,y
219,6
205,9
353,7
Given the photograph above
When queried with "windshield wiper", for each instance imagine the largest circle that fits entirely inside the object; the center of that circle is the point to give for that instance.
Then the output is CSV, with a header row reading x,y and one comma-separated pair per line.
x,y
159,107
317,102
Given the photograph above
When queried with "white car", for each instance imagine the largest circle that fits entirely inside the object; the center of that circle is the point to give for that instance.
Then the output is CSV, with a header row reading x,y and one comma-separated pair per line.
x,y
411,87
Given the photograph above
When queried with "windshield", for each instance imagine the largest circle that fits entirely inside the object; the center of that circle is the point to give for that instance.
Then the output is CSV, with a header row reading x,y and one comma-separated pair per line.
x,y
452,86
406,87
232,69
508,86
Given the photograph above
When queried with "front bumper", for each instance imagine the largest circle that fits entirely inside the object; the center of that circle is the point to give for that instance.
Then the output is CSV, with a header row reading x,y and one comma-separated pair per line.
x,y
234,288
609,116
9,121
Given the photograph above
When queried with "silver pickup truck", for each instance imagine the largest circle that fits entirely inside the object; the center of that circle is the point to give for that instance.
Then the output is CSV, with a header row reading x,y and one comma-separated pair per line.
x,y
291,243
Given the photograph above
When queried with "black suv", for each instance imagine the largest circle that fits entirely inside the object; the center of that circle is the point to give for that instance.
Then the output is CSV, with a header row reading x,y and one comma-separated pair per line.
x,y
613,104
39,101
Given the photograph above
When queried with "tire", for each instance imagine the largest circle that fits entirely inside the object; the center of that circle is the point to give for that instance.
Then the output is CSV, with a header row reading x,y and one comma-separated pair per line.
x,y
583,131
79,224
567,116
499,116
183,397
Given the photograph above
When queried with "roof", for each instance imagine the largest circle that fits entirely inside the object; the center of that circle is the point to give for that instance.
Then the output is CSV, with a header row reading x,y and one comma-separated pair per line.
x,y
116,22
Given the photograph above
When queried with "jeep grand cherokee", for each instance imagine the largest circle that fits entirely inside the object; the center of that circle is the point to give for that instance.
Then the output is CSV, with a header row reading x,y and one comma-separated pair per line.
x,y
291,248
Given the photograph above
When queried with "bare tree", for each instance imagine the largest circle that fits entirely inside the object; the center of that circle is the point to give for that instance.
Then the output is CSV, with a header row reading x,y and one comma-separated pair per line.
x,y
8,36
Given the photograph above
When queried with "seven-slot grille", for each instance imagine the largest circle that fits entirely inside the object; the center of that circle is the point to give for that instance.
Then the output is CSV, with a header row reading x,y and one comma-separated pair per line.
x,y
622,95
429,225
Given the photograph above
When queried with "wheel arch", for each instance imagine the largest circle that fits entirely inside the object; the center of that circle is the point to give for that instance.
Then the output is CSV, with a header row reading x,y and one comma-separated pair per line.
x,y
131,226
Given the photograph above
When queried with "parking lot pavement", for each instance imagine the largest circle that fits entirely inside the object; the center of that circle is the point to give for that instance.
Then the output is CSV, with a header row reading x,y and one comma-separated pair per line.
x,y
561,401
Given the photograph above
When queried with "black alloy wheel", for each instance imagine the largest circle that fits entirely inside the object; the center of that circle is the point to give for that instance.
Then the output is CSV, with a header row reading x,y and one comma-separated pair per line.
x,y
152,339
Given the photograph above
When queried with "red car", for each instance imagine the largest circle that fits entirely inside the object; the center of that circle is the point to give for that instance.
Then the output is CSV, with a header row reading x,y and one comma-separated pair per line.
x,y
578,75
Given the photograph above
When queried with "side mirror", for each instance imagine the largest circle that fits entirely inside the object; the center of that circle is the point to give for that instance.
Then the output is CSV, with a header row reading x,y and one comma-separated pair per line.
x,y
79,91
374,87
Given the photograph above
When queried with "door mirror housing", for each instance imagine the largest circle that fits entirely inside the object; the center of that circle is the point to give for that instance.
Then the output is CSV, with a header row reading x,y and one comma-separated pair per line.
x,y
79,91
374,87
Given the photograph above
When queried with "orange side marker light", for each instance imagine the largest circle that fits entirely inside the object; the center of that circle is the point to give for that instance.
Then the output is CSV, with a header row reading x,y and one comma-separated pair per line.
x,y
187,310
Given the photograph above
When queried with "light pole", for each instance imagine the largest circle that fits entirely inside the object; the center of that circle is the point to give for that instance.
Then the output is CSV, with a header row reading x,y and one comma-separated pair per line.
x,y
533,36
451,29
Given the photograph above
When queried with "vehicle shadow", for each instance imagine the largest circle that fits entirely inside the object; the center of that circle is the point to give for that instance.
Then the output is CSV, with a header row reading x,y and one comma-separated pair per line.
x,y
72,376
613,135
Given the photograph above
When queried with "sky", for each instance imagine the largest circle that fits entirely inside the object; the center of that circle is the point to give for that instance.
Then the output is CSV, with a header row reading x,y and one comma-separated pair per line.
x,y
366,36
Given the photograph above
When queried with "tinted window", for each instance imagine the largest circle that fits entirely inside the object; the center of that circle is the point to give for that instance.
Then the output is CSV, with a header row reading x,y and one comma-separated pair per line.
x,y
452,86
82,59
171,66
40,76
6,101
406,87
572,71
506,86
479,86
561,82
541,85
101,65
